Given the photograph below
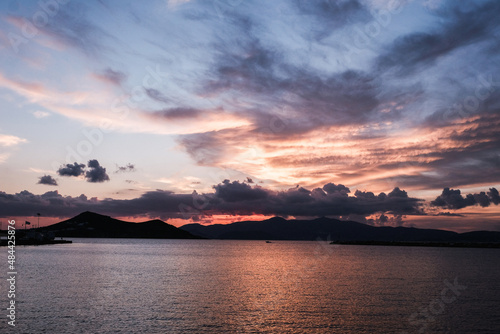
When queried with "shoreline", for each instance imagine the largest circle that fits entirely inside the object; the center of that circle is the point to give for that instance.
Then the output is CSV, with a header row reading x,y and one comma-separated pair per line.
x,y
421,244
4,243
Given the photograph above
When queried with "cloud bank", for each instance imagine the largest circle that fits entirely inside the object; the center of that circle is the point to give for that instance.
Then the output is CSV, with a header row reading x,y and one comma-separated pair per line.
x,y
453,199
228,198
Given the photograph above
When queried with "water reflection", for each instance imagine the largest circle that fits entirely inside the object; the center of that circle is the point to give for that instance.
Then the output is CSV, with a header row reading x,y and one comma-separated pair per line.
x,y
209,286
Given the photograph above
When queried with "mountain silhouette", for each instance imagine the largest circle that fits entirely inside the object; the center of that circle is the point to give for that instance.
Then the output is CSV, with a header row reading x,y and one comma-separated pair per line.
x,y
324,228
93,225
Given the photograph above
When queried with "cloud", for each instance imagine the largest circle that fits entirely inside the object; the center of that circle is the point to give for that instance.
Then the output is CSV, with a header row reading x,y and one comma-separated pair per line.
x,y
111,76
177,113
124,169
173,4
299,201
309,99
347,117
384,220
332,188
453,199
494,196
157,95
236,191
96,172
72,28
306,114
462,25
74,169
51,203
234,198
332,15
40,114
457,154
207,148
48,180
449,214
9,140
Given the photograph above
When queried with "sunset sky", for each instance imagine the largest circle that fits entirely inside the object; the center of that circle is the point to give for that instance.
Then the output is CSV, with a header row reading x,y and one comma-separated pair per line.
x,y
223,110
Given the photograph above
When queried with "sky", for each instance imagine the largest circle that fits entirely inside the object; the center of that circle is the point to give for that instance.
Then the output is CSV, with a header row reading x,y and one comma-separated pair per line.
x,y
382,112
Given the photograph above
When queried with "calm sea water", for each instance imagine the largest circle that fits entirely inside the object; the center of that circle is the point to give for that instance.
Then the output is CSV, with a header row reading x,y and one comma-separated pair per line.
x,y
213,286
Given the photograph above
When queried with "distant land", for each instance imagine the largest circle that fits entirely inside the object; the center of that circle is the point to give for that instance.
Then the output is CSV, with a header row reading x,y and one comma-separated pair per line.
x,y
335,230
93,225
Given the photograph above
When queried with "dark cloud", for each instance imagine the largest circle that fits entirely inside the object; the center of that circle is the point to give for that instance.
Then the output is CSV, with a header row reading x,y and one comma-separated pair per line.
x,y
245,66
236,191
157,95
124,169
315,99
111,76
449,214
177,113
494,196
74,29
207,148
263,73
74,169
229,198
318,99
96,172
332,15
398,193
453,199
159,203
332,188
462,24
48,180
299,201
51,203
384,220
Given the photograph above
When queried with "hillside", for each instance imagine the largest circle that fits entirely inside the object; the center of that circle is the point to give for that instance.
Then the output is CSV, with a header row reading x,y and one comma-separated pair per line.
x,y
331,229
93,225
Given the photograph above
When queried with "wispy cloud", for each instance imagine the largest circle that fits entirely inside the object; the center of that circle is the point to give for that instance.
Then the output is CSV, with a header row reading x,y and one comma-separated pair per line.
x,y
172,4
125,169
111,76
41,114
10,140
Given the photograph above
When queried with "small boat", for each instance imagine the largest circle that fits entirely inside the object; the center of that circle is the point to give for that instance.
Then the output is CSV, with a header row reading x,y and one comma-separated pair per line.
x,y
268,242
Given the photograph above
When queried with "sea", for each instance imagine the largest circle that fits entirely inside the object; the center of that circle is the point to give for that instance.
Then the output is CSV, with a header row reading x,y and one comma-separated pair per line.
x,y
231,286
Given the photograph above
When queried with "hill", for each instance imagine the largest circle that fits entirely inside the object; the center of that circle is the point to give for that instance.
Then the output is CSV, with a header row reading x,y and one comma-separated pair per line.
x,y
332,229
93,225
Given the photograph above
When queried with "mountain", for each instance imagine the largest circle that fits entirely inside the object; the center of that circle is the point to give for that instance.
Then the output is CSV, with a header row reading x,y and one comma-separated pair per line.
x,y
332,229
93,225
